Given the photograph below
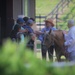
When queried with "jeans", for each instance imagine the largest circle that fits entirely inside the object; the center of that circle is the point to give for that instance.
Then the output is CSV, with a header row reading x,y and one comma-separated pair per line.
x,y
30,44
71,56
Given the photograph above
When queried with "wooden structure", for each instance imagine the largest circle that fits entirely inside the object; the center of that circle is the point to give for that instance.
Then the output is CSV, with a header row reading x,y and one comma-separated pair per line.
x,y
9,10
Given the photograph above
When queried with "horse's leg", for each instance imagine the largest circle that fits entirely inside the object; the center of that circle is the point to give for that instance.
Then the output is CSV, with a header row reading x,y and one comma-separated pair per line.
x,y
66,56
58,54
58,57
50,53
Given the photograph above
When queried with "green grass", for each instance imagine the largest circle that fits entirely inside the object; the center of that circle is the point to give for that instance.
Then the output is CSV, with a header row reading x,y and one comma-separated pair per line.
x,y
69,13
44,7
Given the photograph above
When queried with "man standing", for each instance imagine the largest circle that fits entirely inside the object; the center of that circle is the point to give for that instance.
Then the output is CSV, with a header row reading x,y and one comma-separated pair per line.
x,y
70,41
48,25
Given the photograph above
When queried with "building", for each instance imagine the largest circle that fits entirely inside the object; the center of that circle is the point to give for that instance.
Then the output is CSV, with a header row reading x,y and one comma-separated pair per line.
x,y
9,10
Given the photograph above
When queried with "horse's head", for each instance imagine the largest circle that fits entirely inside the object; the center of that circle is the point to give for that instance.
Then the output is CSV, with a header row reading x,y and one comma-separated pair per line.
x,y
48,38
55,37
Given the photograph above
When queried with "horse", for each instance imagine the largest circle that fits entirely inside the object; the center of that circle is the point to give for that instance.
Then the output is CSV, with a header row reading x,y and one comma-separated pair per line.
x,y
56,37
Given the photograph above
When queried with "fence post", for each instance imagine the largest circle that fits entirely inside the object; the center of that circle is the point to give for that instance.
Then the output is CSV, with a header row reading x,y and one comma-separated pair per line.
x,y
62,4
56,20
68,3
39,22
35,46
57,10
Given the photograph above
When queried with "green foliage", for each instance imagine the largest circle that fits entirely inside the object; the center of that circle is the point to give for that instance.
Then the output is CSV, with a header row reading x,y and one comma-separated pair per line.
x,y
16,59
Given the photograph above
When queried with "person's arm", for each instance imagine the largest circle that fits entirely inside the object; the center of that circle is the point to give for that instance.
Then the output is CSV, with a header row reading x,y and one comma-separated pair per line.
x,y
65,34
38,32
23,31
71,40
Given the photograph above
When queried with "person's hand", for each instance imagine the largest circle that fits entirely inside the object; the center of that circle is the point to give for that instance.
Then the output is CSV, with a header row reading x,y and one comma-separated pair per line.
x,y
65,32
37,33
33,37
26,30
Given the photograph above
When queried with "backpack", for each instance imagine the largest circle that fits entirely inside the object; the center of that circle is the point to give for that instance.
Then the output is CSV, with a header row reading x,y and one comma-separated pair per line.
x,y
13,35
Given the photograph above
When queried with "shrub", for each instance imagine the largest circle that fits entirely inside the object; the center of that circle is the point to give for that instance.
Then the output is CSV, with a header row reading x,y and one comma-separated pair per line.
x,y
16,59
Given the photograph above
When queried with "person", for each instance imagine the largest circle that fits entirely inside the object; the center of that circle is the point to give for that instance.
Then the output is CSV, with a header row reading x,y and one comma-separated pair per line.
x,y
70,40
25,19
32,19
48,25
34,27
28,26
18,29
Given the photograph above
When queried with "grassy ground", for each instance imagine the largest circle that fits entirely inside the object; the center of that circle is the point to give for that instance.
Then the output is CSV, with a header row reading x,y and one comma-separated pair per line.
x,y
39,56
44,7
69,13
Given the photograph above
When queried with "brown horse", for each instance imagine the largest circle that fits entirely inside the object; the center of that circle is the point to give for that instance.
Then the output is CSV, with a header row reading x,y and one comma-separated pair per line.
x,y
56,37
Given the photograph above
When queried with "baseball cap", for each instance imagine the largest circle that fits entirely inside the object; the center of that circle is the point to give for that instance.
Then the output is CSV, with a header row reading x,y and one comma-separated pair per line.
x,y
20,20
29,22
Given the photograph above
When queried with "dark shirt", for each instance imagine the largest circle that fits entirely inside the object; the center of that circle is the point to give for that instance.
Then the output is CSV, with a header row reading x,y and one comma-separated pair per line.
x,y
17,27
14,31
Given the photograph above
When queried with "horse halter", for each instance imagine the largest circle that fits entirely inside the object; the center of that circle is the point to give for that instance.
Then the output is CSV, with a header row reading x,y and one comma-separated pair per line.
x,y
48,40
51,40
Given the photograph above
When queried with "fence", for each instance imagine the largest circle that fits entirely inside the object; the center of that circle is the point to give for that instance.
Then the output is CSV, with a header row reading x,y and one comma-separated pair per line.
x,y
60,6
40,21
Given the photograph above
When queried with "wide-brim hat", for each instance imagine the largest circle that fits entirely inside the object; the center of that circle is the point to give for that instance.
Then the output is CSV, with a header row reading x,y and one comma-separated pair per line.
x,y
50,21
